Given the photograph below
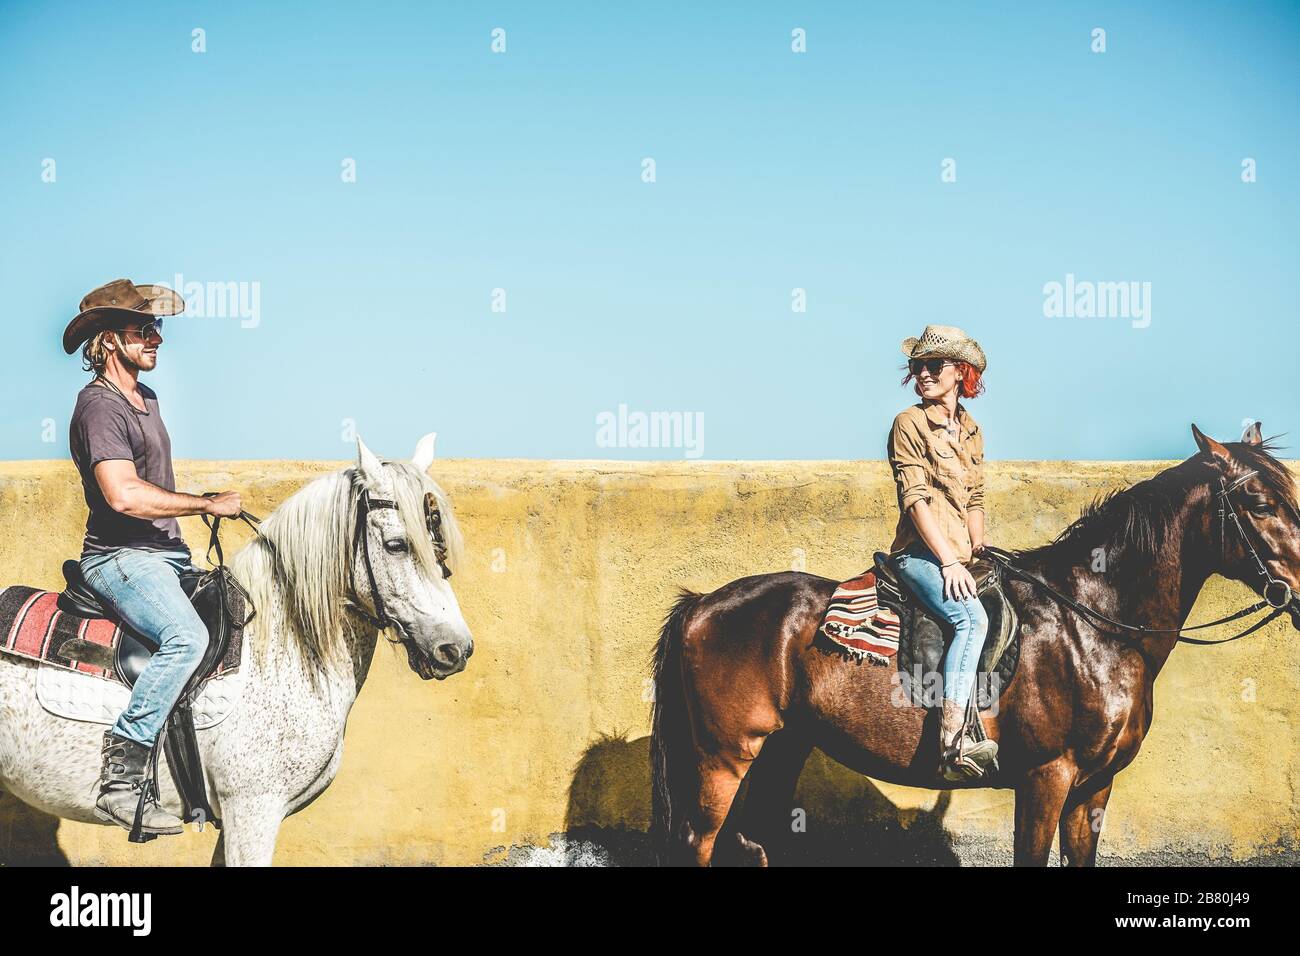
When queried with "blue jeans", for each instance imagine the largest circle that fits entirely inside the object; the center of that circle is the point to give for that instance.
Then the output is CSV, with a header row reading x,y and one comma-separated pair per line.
x,y
919,568
144,588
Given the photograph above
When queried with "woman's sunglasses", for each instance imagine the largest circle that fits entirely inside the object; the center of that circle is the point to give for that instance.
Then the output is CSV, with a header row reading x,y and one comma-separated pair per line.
x,y
934,366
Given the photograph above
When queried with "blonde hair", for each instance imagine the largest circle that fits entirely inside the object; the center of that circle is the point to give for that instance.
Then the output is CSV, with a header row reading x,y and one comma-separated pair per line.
x,y
94,356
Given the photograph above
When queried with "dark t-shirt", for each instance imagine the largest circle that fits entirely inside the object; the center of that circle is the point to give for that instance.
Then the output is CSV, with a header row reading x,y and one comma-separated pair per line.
x,y
106,426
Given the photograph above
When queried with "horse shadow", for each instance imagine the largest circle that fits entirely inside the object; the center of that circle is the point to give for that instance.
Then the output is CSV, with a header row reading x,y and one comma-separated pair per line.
x,y
28,837
847,820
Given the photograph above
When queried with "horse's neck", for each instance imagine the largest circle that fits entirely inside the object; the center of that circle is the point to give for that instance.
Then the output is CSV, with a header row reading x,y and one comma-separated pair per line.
x,y
361,648
1157,594
284,662
284,659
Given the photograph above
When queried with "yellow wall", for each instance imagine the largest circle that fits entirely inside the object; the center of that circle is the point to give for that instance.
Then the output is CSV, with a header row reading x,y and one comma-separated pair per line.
x,y
571,566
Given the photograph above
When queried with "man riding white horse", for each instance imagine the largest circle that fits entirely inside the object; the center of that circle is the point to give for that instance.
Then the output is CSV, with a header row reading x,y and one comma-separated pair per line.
x,y
133,553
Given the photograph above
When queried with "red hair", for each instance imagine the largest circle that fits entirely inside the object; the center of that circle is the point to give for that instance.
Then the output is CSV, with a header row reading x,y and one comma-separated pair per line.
x,y
969,381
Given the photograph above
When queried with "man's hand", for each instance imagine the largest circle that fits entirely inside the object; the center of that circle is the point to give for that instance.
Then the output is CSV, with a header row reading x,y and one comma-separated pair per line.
x,y
224,504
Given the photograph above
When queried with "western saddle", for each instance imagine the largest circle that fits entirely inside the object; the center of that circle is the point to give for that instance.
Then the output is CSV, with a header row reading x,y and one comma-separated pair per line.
x,y
923,637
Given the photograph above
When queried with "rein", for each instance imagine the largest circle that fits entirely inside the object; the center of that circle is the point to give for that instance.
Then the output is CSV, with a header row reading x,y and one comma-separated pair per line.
x,y
221,571
1272,588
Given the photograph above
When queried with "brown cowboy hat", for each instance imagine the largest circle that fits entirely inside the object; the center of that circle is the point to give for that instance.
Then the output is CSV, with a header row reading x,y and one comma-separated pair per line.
x,y
117,304
946,341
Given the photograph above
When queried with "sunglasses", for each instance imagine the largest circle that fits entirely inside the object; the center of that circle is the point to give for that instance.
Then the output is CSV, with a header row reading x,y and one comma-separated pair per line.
x,y
934,366
147,330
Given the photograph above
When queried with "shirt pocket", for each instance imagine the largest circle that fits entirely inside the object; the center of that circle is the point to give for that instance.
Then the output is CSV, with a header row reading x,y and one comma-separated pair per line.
x,y
949,472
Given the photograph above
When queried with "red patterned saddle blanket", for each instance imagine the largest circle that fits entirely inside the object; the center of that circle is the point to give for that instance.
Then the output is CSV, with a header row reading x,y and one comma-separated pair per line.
x,y
33,626
859,624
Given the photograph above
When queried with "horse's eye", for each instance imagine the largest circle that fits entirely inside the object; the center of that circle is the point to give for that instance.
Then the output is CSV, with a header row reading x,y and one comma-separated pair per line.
x,y
395,546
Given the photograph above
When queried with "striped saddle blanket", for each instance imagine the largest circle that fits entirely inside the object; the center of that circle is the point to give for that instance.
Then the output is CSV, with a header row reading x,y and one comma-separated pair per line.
x,y
858,624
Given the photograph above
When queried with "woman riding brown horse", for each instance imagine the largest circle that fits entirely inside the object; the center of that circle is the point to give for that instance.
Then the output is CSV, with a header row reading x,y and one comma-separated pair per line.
x,y
741,690
936,452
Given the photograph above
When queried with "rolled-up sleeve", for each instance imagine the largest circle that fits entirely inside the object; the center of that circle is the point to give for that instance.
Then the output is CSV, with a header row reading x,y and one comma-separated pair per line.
x,y
908,460
976,502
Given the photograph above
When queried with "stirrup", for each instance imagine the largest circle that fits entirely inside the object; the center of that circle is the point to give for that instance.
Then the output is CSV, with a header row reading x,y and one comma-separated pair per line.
x,y
962,762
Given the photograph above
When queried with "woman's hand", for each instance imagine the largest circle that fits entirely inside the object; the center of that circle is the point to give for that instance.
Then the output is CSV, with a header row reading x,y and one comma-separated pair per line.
x,y
957,582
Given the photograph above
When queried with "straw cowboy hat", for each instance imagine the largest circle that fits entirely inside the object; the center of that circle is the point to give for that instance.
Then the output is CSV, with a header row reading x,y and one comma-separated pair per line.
x,y
945,341
116,304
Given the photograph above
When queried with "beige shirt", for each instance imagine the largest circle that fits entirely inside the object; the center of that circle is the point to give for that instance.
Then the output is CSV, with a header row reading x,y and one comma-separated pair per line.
x,y
946,472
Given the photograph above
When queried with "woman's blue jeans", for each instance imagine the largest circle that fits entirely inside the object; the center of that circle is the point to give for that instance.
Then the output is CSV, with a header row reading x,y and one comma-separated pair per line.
x,y
919,568
144,589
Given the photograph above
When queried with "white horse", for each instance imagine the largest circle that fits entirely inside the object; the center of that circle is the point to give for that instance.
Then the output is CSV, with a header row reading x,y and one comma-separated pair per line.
x,y
305,657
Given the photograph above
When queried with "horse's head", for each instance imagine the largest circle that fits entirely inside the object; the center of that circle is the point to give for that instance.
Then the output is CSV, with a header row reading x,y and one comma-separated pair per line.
x,y
405,542
1261,547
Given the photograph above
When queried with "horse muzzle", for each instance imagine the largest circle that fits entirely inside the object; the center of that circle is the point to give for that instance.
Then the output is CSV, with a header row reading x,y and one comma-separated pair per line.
x,y
446,658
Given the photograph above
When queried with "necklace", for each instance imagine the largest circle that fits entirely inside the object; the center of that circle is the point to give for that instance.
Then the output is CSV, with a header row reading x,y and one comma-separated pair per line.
x,y
100,378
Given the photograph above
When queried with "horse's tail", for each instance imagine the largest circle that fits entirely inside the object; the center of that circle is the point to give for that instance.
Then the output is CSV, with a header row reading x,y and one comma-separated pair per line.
x,y
673,771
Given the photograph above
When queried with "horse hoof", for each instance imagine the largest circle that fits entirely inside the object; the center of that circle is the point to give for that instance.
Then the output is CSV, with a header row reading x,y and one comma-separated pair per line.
x,y
751,853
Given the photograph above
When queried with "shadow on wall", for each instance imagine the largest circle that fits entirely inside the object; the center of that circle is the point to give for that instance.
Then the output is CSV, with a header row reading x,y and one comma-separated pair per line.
x,y
28,837
608,816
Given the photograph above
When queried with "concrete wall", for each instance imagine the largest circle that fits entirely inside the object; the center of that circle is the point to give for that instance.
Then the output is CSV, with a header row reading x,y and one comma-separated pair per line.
x,y
538,752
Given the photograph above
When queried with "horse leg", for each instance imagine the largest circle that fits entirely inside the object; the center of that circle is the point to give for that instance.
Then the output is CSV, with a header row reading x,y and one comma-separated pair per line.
x,y
1040,797
766,825
219,852
249,831
1081,824
720,778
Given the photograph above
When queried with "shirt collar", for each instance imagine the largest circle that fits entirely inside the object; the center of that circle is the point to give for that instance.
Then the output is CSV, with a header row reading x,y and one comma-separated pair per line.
x,y
938,415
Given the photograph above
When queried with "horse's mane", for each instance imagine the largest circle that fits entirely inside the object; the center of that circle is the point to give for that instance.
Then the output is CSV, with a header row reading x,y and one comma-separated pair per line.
x,y
297,572
1137,521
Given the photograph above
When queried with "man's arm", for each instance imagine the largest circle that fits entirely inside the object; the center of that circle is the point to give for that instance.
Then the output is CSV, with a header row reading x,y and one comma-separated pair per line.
x,y
128,493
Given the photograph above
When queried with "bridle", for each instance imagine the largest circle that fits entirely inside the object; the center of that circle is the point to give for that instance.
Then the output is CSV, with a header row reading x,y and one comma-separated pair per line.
x,y
1272,585
361,541
1277,594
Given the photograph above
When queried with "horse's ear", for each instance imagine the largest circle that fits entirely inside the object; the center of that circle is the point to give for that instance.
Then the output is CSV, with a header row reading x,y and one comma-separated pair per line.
x,y
370,467
423,456
1252,435
1212,449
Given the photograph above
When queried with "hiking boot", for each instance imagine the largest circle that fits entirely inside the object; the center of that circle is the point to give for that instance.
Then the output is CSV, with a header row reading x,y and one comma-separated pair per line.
x,y
963,757
124,777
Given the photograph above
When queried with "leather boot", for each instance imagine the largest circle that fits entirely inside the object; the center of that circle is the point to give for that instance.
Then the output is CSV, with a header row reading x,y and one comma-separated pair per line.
x,y
962,757
124,776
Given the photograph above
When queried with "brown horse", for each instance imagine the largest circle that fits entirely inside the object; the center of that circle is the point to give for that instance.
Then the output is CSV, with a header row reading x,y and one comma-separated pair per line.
x,y
741,691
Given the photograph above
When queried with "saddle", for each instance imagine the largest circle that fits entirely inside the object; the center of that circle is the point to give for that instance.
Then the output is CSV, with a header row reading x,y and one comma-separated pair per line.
x,y
131,651
220,603
923,637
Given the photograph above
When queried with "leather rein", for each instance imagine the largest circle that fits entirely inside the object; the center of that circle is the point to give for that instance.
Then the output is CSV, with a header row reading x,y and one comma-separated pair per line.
x,y
1277,593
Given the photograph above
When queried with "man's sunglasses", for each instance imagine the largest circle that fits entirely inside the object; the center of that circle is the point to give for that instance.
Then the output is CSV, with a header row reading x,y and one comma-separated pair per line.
x,y
147,330
934,366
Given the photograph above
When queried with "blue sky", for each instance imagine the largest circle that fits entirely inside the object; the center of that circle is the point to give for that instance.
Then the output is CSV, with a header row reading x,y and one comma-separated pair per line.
x,y
774,170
